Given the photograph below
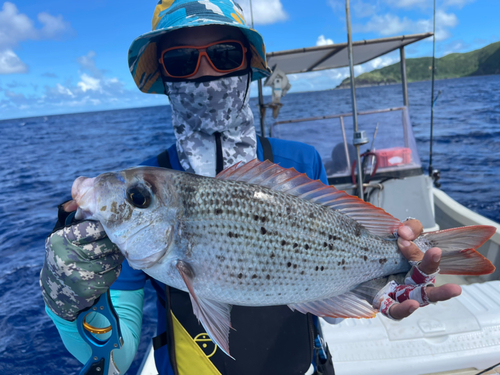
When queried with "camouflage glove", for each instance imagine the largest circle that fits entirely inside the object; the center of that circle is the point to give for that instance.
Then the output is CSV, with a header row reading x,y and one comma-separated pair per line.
x,y
81,263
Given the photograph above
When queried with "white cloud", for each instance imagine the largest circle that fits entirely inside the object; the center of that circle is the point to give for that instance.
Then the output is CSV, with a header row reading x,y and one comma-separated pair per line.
x,y
10,63
390,24
265,12
89,83
322,41
87,63
16,27
458,3
409,3
60,89
52,26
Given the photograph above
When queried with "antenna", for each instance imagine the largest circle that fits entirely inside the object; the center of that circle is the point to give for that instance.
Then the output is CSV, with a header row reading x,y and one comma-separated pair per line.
x,y
251,12
431,169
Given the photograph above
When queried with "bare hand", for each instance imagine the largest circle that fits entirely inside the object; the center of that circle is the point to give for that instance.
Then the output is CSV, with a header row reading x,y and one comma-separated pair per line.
x,y
429,265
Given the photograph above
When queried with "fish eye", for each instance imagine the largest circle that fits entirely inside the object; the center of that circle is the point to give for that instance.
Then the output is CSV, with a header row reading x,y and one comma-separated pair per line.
x,y
139,196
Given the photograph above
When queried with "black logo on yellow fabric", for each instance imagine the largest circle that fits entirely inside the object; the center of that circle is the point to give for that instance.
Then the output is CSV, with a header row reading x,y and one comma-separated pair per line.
x,y
206,344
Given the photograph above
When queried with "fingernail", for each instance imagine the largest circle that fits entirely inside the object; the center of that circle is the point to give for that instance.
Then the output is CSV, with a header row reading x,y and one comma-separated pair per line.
x,y
405,231
436,258
412,309
403,243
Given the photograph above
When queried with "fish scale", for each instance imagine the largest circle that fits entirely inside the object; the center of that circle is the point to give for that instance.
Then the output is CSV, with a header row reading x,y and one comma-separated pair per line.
x,y
271,248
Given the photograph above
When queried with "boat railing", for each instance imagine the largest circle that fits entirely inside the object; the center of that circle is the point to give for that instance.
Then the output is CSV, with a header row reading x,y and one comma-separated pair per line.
x,y
389,132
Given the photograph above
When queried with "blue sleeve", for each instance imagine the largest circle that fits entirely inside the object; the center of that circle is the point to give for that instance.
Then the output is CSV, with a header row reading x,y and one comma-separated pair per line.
x,y
128,306
129,278
290,154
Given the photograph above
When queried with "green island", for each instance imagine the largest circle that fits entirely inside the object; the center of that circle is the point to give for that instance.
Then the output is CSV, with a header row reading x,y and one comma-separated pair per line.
x,y
483,61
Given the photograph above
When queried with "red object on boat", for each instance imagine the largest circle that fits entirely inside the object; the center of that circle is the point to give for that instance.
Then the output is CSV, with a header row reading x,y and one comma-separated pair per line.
x,y
391,157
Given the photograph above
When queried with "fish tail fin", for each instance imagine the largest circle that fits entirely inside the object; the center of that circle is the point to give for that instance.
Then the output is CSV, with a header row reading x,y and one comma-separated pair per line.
x,y
459,249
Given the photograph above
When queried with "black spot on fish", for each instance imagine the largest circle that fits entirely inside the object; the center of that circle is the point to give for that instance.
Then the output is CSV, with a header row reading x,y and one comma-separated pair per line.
x,y
317,268
268,277
263,219
365,258
322,268
307,247
256,217
357,230
254,276
263,230
330,246
343,268
228,203
288,210
221,258
294,266
382,261
283,242
325,244
366,249
218,211
302,272
295,245
272,255
230,234
311,215
289,264
343,261
240,275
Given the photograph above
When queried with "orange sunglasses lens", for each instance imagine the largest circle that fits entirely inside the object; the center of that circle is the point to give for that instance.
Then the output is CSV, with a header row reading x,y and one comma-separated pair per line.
x,y
183,62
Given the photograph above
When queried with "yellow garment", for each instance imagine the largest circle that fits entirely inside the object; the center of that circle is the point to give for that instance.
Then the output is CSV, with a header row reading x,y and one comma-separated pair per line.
x,y
189,356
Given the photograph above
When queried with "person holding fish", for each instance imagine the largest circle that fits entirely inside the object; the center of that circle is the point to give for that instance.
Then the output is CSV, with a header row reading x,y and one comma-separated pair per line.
x,y
195,236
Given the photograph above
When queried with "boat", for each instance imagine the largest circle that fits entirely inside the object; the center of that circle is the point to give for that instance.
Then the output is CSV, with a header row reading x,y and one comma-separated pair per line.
x,y
460,336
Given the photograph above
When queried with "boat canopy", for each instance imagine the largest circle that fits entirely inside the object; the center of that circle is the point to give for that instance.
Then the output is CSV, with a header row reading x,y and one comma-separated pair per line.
x,y
332,56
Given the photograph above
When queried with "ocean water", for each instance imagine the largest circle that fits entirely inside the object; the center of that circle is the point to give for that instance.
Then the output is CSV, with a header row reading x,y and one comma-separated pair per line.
x,y
40,157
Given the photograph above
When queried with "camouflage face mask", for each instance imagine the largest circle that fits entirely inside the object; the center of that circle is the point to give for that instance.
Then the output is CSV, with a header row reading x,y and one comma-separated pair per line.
x,y
199,109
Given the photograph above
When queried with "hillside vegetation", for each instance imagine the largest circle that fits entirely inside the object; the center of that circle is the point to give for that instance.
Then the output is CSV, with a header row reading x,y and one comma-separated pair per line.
x,y
479,62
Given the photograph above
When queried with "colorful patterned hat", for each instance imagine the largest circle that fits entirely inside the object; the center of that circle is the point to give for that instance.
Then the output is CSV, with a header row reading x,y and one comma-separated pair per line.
x,y
172,15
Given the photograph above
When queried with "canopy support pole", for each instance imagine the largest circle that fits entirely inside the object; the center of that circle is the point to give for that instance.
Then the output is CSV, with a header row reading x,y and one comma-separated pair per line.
x,y
353,96
404,81
262,110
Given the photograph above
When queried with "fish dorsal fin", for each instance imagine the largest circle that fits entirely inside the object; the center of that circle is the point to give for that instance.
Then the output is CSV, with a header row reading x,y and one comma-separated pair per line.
x,y
289,181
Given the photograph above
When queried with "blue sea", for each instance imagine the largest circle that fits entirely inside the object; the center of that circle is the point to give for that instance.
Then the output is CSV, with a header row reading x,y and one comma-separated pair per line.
x,y
41,156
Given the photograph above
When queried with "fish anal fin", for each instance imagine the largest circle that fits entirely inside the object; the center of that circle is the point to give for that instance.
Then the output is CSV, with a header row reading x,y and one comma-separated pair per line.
x,y
214,316
347,305
289,181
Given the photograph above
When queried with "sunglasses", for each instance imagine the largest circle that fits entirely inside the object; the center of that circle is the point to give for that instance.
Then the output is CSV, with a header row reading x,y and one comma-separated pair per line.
x,y
183,62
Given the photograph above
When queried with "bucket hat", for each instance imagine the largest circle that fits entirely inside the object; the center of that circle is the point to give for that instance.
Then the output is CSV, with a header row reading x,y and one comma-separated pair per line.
x,y
170,15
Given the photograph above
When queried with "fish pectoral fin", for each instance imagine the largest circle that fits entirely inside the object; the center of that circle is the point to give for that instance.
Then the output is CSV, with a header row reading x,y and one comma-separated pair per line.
x,y
214,316
347,305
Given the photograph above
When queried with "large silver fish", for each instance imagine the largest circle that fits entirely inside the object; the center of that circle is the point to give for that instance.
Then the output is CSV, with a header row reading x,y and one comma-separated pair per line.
x,y
259,235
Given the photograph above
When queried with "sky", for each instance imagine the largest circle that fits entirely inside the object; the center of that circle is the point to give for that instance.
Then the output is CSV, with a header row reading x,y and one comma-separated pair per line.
x,y
59,56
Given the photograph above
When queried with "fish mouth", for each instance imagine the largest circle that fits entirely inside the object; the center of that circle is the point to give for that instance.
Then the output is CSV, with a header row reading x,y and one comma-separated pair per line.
x,y
82,192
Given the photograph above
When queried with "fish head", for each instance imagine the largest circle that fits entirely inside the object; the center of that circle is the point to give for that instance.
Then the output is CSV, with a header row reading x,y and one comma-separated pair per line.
x,y
137,208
